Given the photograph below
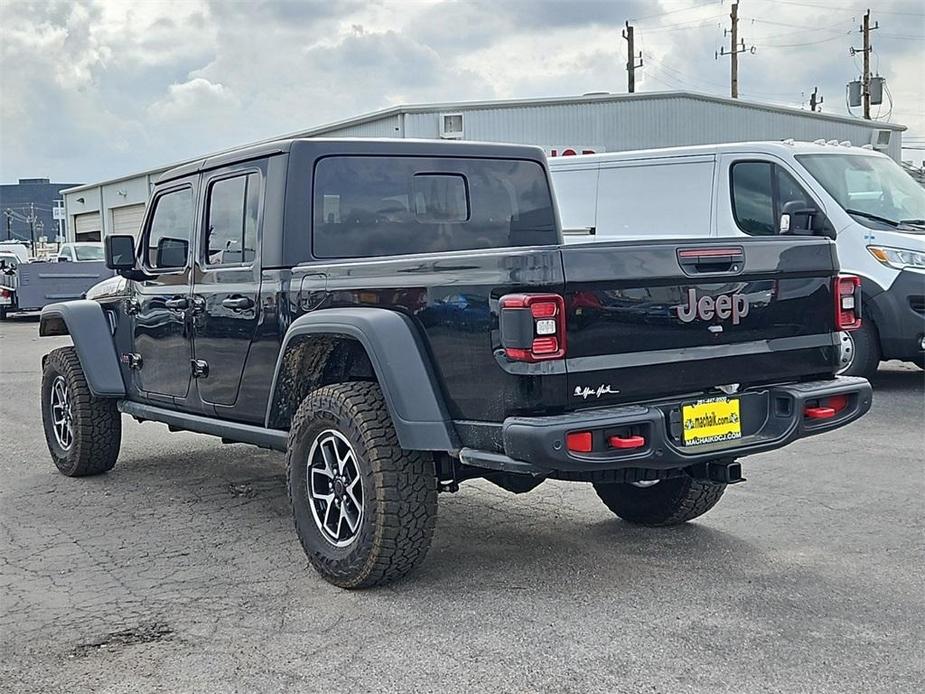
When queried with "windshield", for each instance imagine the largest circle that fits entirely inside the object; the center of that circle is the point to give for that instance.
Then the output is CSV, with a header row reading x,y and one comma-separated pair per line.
x,y
89,252
869,187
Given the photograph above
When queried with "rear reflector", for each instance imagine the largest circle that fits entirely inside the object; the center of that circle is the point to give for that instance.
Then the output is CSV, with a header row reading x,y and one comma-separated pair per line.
x,y
579,441
626,441
847,291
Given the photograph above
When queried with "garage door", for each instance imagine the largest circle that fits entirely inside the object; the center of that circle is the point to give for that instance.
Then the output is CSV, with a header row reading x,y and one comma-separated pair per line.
x,y
87,226
127,219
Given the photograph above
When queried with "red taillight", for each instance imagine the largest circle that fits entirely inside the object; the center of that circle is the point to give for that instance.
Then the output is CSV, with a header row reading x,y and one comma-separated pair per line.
x,y
579,441
847,291
545,345
544,309
533,327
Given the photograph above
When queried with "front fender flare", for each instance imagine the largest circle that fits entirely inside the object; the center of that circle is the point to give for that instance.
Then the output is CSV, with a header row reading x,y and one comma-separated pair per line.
x,y
402,366
85,322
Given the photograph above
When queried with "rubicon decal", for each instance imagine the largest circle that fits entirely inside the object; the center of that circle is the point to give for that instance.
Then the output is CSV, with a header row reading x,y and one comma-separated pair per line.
x,y
587,392
723,306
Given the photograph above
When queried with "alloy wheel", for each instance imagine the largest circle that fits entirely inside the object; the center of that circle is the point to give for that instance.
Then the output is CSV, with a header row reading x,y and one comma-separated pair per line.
x,y
335,488
61,414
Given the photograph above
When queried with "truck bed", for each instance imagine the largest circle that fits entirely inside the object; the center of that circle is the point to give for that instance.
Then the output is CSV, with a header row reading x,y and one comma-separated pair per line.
x,y
39,284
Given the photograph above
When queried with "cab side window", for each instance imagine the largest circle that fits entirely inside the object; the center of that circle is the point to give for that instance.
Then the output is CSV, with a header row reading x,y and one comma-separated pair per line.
x,y
760,189
788,190
231,231
167,246
753,197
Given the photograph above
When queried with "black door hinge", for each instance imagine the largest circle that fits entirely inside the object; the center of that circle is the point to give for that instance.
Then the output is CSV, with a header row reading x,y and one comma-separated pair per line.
x,y
200,368
133,360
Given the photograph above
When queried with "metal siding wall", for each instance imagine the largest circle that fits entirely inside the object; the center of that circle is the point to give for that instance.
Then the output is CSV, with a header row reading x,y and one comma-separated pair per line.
x,y
642,124
383,127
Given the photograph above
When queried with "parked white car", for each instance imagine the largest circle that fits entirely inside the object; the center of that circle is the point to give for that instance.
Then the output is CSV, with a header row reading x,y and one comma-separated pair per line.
x,y
81,252
874,210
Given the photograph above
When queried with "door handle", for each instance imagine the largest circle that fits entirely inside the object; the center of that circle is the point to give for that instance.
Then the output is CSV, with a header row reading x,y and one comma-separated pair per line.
x,y
179,303
238,303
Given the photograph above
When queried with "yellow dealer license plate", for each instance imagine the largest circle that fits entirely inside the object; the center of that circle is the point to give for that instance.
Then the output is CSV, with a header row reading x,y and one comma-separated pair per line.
x,y
709,421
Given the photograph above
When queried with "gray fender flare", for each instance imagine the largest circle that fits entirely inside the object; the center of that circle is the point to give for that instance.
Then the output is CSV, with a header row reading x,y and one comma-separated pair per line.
x,y
402,366
85,322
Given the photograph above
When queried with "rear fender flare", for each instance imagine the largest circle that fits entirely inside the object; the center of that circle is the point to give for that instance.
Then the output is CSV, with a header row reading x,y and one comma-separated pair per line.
x,y
86,323
402,366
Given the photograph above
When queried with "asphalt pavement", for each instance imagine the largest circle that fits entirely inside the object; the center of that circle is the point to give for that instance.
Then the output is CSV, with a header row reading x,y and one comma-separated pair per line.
x,y
180,571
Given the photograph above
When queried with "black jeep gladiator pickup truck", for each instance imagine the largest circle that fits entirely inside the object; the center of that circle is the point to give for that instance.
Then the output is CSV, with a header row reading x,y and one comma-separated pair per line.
x,y
400,316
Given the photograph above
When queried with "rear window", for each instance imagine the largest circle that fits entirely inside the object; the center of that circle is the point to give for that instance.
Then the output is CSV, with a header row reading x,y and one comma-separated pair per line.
x,y
89,252
376,206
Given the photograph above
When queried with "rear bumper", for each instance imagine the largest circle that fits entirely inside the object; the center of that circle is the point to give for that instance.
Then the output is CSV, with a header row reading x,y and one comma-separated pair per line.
x,y
771,418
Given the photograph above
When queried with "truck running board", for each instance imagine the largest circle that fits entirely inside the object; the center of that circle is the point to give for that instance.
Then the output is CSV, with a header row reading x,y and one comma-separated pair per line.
x,y
274,439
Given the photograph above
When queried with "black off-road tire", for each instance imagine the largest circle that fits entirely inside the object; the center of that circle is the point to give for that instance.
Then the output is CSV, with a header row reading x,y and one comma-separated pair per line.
x,y
866,360
670,502
96,423
399,488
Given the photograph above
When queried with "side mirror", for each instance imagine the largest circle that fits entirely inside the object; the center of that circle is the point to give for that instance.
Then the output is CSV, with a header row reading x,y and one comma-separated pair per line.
x,y
790,214
63,259
119,250
171,253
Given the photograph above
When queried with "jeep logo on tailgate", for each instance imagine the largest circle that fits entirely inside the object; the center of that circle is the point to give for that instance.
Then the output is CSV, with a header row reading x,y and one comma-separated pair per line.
x,y
722,306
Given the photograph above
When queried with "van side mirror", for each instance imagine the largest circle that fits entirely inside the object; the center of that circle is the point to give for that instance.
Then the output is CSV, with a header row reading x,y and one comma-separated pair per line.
x,y
799,218
119,250
171,253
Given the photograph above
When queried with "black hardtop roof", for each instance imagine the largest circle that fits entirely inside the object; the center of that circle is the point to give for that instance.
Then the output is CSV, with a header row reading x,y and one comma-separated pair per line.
x,y
321,147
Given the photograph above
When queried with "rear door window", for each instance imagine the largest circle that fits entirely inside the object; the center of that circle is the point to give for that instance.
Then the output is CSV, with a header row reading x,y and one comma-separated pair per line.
x,y
231,231
379,206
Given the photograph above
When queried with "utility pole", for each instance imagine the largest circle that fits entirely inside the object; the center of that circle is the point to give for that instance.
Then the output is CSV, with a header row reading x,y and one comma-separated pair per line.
x,y
866,83
866,28
734,54
31,221
735,47
813,101
631,59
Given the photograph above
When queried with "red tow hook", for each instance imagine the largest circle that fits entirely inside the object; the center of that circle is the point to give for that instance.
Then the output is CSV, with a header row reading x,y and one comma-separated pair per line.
x,y
819,412
626,441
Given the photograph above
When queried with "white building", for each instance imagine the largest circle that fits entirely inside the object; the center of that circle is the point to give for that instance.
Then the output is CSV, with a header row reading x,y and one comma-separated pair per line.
x,y
566,125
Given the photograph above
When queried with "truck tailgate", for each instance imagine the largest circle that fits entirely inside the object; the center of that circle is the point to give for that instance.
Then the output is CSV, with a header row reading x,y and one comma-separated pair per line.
x,y
648,319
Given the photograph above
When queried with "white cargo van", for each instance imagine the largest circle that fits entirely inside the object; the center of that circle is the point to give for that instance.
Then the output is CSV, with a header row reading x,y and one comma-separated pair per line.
x,y
874,210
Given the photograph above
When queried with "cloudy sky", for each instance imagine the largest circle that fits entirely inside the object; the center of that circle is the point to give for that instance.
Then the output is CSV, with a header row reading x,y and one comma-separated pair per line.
x,y
92,89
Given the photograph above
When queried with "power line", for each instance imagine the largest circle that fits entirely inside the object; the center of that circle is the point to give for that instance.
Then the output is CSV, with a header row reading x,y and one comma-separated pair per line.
x,y
796,26
680,9
833,7
805,43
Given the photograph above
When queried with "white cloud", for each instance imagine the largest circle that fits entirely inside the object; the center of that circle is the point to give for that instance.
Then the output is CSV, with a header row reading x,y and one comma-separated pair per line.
x,y
96,88
195,100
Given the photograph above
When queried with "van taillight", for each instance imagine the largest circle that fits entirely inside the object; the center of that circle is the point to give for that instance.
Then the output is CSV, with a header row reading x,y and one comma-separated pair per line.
x,y
847,291
533,326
